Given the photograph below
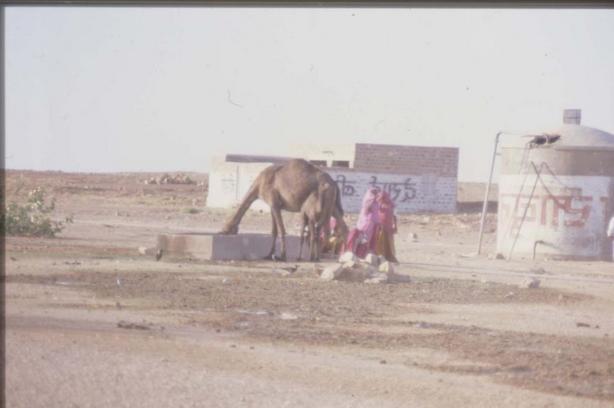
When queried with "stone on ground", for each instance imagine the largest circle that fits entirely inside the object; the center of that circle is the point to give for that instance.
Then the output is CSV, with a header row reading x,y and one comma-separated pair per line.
x,y
372,259
358,273
351,265
347,257
396,278
377,278
532,283
386,267
331,272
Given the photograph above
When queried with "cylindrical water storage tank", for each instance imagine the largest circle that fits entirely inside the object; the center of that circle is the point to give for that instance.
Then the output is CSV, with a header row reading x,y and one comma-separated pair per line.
x,y
556,195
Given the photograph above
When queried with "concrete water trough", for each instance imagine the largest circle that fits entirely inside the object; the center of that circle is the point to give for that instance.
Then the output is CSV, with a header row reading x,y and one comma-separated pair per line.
x,y
212,247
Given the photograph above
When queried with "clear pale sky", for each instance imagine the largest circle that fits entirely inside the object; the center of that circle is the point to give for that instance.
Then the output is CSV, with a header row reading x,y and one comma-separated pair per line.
x,y
129,89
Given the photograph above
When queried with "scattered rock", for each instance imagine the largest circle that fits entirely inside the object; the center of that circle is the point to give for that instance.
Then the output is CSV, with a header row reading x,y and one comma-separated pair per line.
x,y
499,256
347,257
168,179
331,273
127,325
143,250
538,271
386,267
281,272
396,278
377,278
356,274
382,361
372,259
290,269
532,283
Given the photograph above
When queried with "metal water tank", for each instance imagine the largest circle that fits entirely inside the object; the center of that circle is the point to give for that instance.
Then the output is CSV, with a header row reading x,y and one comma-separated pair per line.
x,y
556,194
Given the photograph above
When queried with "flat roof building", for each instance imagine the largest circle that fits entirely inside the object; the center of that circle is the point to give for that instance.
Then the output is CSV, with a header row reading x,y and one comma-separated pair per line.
x,y
418,178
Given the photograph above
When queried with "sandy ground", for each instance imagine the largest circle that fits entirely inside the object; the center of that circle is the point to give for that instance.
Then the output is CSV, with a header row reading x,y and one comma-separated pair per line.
x,y
90,322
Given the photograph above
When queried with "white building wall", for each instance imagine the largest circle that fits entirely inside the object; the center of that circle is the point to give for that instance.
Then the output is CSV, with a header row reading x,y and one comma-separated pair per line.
x,y
229,182
410,193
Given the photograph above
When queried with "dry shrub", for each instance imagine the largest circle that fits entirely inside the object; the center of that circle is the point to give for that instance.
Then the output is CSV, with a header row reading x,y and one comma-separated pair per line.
x,y
32,218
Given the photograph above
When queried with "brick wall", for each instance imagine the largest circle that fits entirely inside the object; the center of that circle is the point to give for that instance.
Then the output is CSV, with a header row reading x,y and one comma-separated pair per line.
x,y
398,159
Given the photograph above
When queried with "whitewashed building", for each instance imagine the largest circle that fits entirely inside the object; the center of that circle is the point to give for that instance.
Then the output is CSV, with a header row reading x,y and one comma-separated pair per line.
x,y
418,178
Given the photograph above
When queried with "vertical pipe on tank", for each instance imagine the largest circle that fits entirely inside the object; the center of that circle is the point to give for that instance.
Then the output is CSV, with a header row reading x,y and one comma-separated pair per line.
x,y
485,205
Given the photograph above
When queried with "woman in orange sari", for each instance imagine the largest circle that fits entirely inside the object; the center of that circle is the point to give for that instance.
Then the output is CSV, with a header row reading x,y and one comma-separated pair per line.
x,y
384,244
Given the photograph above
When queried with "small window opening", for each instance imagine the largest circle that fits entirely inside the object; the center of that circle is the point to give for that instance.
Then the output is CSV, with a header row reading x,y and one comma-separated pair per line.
x,y
341,163
320,163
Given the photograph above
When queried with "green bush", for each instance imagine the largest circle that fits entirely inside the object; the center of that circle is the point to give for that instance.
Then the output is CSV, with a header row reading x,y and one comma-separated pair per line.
x,y
32,218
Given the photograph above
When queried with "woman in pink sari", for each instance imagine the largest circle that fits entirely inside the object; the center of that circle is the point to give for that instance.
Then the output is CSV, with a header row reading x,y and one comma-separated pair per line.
x,y
361,240
384,236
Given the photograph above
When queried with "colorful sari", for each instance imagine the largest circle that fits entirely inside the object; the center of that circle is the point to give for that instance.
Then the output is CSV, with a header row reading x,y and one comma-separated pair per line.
x,y
361,239
384,241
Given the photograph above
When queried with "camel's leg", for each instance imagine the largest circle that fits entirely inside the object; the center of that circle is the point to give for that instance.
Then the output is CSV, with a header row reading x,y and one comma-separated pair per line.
x,y
276,211
314,235
274,234
316,242
300,247
310,240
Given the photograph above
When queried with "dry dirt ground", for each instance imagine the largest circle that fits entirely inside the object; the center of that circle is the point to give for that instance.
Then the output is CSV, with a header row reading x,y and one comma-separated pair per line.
x,y
90,322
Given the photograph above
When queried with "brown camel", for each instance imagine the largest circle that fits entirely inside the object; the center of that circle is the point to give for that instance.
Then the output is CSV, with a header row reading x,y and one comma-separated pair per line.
x,y
283,187
315,214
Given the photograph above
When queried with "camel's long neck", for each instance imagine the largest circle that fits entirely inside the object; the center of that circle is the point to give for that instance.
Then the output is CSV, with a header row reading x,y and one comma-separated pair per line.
x,y
233,224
